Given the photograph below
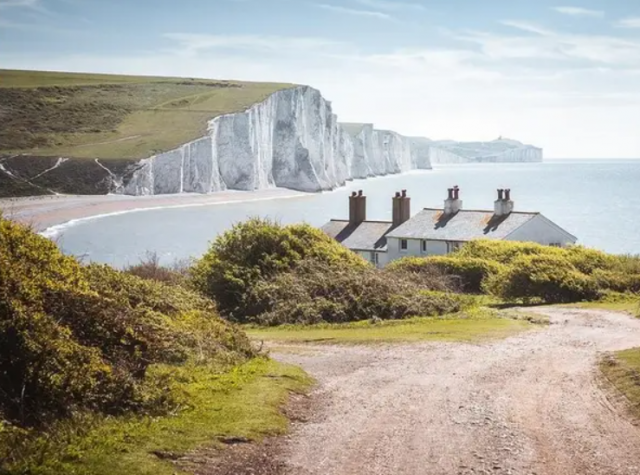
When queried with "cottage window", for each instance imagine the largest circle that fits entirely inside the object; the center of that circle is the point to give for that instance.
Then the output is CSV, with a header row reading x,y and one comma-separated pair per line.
x,y
453,246
374,259
424,246
404,245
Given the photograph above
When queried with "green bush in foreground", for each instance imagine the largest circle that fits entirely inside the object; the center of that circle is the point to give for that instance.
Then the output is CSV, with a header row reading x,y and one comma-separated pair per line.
x,y
83,338
318,292
265,273
467,274
535,273
257,250
581,258
547,278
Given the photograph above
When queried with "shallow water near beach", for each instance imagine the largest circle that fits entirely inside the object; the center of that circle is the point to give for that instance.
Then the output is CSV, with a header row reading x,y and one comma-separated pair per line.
x,y
598,201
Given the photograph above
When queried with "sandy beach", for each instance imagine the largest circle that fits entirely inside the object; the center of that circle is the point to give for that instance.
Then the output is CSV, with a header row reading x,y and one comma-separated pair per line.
x,y
43,212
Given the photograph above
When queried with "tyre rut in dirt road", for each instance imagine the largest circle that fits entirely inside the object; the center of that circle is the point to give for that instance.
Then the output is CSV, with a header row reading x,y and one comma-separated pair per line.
x,y
530,404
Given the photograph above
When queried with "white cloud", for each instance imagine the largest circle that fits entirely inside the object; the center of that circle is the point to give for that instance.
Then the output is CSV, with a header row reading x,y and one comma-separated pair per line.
x,y
355,11
391,5
194,43
577,11
631,22
617,52
529,27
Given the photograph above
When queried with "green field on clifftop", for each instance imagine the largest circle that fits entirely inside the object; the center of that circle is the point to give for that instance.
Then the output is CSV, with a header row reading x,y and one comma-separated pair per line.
x,y
112,117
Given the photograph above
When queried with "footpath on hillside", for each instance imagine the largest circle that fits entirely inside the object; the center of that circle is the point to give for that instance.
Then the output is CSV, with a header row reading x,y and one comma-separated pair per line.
x,y
530,404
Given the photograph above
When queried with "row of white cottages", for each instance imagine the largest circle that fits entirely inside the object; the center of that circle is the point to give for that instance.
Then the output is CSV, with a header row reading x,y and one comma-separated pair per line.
x,y
439,231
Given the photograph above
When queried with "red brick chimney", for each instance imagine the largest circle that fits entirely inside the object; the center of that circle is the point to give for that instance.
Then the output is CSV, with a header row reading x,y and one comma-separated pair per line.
x,y
357,208
401,206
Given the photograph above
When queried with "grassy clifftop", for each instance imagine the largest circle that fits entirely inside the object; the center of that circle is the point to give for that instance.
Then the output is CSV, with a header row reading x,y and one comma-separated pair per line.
x,y
105,116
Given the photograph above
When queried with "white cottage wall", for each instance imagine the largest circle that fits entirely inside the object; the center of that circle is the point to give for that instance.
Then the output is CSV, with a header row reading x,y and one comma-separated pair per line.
x,y
542,231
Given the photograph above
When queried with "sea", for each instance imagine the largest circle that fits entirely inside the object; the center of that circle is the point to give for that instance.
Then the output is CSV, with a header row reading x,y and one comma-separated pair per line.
x,y
596,200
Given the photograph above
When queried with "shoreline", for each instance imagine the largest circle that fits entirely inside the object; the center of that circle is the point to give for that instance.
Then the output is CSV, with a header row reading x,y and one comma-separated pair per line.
x,y
48,215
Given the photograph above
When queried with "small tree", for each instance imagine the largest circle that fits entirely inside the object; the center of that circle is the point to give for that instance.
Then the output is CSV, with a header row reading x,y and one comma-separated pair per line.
x,y
260,249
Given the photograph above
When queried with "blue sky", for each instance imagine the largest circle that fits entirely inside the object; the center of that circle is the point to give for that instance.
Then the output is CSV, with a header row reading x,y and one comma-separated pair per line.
x,y
561,74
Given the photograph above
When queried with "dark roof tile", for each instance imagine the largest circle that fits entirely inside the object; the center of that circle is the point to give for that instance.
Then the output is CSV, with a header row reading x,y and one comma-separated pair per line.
x,y
366,236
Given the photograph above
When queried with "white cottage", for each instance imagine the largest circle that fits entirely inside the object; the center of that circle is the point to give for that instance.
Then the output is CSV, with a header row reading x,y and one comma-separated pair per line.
x,y
439,231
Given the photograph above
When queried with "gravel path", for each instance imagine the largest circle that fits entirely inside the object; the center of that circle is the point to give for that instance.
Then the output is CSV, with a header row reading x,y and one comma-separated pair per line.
x,y
530,404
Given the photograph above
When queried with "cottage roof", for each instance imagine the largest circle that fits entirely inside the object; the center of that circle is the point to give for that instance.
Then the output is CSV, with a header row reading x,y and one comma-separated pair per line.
x,y
366,236
465,225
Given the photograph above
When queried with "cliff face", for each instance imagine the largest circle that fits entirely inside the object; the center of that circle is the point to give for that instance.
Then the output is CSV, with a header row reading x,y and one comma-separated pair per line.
x,y
291,140
497,151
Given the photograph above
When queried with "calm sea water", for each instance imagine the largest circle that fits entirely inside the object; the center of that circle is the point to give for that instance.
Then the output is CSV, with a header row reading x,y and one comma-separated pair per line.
x,y
598,201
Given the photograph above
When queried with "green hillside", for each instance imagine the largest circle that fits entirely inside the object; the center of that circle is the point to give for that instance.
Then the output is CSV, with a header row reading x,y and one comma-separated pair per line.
x,y
112,117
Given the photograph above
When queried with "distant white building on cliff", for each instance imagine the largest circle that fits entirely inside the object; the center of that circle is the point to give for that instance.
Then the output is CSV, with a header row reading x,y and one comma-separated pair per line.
x,y
439,231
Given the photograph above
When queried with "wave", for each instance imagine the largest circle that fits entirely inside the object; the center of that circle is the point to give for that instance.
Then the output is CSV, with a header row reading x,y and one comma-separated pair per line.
x,y
54,231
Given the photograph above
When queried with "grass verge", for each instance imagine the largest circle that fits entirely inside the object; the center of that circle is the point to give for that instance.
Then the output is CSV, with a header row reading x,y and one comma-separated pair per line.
x,y
113,117
472,325
630,306
244,402
622,370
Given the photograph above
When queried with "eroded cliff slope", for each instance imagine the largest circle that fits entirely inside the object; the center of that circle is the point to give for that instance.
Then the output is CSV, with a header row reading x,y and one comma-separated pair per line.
x,y
291,140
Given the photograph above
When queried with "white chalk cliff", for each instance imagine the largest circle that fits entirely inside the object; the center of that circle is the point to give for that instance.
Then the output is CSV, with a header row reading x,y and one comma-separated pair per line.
x,y
291,140
497,151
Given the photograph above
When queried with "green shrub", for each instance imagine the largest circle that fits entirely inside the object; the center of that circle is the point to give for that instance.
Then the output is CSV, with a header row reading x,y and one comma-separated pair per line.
x,y
150,268
467,274
616,281
505,252
74,337
256,250
583,259
627,264
549,279
317,292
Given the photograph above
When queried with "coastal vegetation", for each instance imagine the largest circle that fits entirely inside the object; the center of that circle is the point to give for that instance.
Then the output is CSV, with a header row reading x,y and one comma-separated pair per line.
x,y
528,273
100,369
116,119
106,116
621,369
263,273
105,371
473,324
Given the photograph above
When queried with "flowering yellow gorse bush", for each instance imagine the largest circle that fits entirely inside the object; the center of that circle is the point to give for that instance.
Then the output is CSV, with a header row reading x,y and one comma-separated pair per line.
x,y
76,337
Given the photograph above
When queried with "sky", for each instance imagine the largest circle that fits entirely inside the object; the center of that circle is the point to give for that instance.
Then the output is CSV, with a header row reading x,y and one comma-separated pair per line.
x,y
559,74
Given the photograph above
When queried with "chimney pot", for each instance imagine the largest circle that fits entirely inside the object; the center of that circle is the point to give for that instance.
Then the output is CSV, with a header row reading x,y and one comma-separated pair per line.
x,y
504,205
453,204
354,194
401,208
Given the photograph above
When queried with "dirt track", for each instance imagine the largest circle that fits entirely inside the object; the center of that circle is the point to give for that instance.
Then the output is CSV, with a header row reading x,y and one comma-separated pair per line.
x,y
530,404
